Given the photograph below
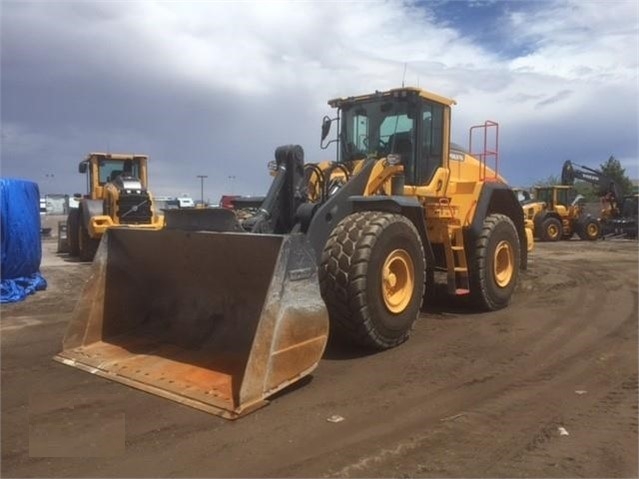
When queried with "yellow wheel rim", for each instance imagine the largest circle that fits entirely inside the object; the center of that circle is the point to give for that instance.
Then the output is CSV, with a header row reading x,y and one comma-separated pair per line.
x,y
592,230
503,264
553,231
398,281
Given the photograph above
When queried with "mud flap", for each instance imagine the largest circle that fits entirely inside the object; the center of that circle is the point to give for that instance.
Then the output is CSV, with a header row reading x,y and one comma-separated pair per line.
x,y
217,321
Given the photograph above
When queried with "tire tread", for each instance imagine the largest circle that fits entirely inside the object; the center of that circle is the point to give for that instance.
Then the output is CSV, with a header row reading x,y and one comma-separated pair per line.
x,y
343,274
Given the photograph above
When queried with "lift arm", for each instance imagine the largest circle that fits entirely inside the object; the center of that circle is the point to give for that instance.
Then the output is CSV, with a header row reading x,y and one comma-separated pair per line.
x,y
605,185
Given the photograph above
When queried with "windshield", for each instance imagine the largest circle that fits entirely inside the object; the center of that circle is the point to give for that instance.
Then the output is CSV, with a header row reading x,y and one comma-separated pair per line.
x,y
544,194
563,197
378,128
110,169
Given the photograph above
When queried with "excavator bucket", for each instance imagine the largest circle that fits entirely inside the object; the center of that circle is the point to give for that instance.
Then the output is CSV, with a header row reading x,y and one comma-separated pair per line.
x,y
216,321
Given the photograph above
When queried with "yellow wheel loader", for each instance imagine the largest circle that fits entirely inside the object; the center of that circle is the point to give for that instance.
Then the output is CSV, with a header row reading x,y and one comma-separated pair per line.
x,y
219,313
557,214
117,195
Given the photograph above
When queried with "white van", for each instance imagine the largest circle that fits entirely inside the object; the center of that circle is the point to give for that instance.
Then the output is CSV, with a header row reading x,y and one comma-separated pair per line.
x,y
186,202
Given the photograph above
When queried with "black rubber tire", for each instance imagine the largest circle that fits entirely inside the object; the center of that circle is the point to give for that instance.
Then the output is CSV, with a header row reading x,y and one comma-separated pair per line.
x,y
547,224
351,272
485,292
589,229
87,245
73,231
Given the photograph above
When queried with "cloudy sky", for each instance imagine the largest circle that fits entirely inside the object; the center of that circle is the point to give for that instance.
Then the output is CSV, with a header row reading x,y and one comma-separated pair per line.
x,y
212,88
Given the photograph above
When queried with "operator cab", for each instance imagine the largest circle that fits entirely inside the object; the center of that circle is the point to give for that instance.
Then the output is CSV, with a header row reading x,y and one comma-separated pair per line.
x,y
124,172
555,195
407,126
110,170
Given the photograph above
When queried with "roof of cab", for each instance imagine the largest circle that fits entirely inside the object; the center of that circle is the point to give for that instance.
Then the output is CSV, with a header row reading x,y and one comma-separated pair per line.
x,y
395,92
116,156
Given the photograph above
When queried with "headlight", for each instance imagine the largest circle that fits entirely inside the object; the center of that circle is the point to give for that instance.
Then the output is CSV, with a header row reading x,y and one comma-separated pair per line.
x,y
394,159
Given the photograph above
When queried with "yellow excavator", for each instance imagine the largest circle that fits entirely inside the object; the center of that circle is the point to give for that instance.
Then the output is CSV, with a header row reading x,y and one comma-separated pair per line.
x,y
219,314
117,195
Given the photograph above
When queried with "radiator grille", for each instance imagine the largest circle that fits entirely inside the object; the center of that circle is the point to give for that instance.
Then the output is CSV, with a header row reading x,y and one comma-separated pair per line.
x,y
134,208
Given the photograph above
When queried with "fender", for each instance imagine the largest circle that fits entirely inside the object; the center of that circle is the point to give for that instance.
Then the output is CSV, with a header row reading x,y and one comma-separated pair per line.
x,y
90,208
407,206
499,198
335,209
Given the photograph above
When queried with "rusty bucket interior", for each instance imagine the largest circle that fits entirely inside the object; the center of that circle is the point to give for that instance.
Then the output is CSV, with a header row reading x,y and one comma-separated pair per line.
x,y
217,321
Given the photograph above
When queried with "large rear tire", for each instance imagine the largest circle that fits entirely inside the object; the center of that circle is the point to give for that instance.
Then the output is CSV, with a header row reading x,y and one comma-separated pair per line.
x,y
589,229
73,231
372,277
495,263
551,229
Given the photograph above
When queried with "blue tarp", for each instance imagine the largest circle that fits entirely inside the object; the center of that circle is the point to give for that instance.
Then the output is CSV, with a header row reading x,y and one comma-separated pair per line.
x,y
20,239
13,290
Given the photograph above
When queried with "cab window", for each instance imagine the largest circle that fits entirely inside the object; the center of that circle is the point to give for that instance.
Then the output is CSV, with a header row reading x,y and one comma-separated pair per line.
x,y
378,128
544,195
110,169
430,157
360,131
562,197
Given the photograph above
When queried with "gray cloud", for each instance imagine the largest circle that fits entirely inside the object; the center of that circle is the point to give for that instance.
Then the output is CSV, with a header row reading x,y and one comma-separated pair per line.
x,y
213,88
557,97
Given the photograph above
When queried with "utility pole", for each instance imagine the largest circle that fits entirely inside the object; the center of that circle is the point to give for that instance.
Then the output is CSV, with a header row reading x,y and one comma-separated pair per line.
x,y
232,178
49,179
201,177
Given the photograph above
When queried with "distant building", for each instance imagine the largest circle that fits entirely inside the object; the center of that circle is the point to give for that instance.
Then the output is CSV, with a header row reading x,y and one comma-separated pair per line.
x,y
57,204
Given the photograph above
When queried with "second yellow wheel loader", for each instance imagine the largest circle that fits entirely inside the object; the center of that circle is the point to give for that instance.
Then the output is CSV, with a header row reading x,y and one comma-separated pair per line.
x,y
117,195
557,214
220,314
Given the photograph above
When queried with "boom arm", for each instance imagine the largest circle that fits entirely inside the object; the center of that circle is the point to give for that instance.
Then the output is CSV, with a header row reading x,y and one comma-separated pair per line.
x,y
605,185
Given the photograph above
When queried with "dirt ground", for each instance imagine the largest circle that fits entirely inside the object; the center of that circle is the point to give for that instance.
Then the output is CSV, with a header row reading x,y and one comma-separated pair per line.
x,y
469,395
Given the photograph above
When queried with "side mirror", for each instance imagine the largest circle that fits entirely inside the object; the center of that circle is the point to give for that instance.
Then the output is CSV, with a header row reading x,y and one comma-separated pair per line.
x,y
82,168
326,127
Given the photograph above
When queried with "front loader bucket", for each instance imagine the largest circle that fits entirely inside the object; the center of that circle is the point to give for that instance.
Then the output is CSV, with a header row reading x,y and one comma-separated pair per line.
x,y
217,321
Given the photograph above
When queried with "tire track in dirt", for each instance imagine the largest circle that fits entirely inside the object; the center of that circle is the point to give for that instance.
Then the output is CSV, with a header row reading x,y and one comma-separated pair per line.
x,y
612,413
582,305
530,401
467,393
